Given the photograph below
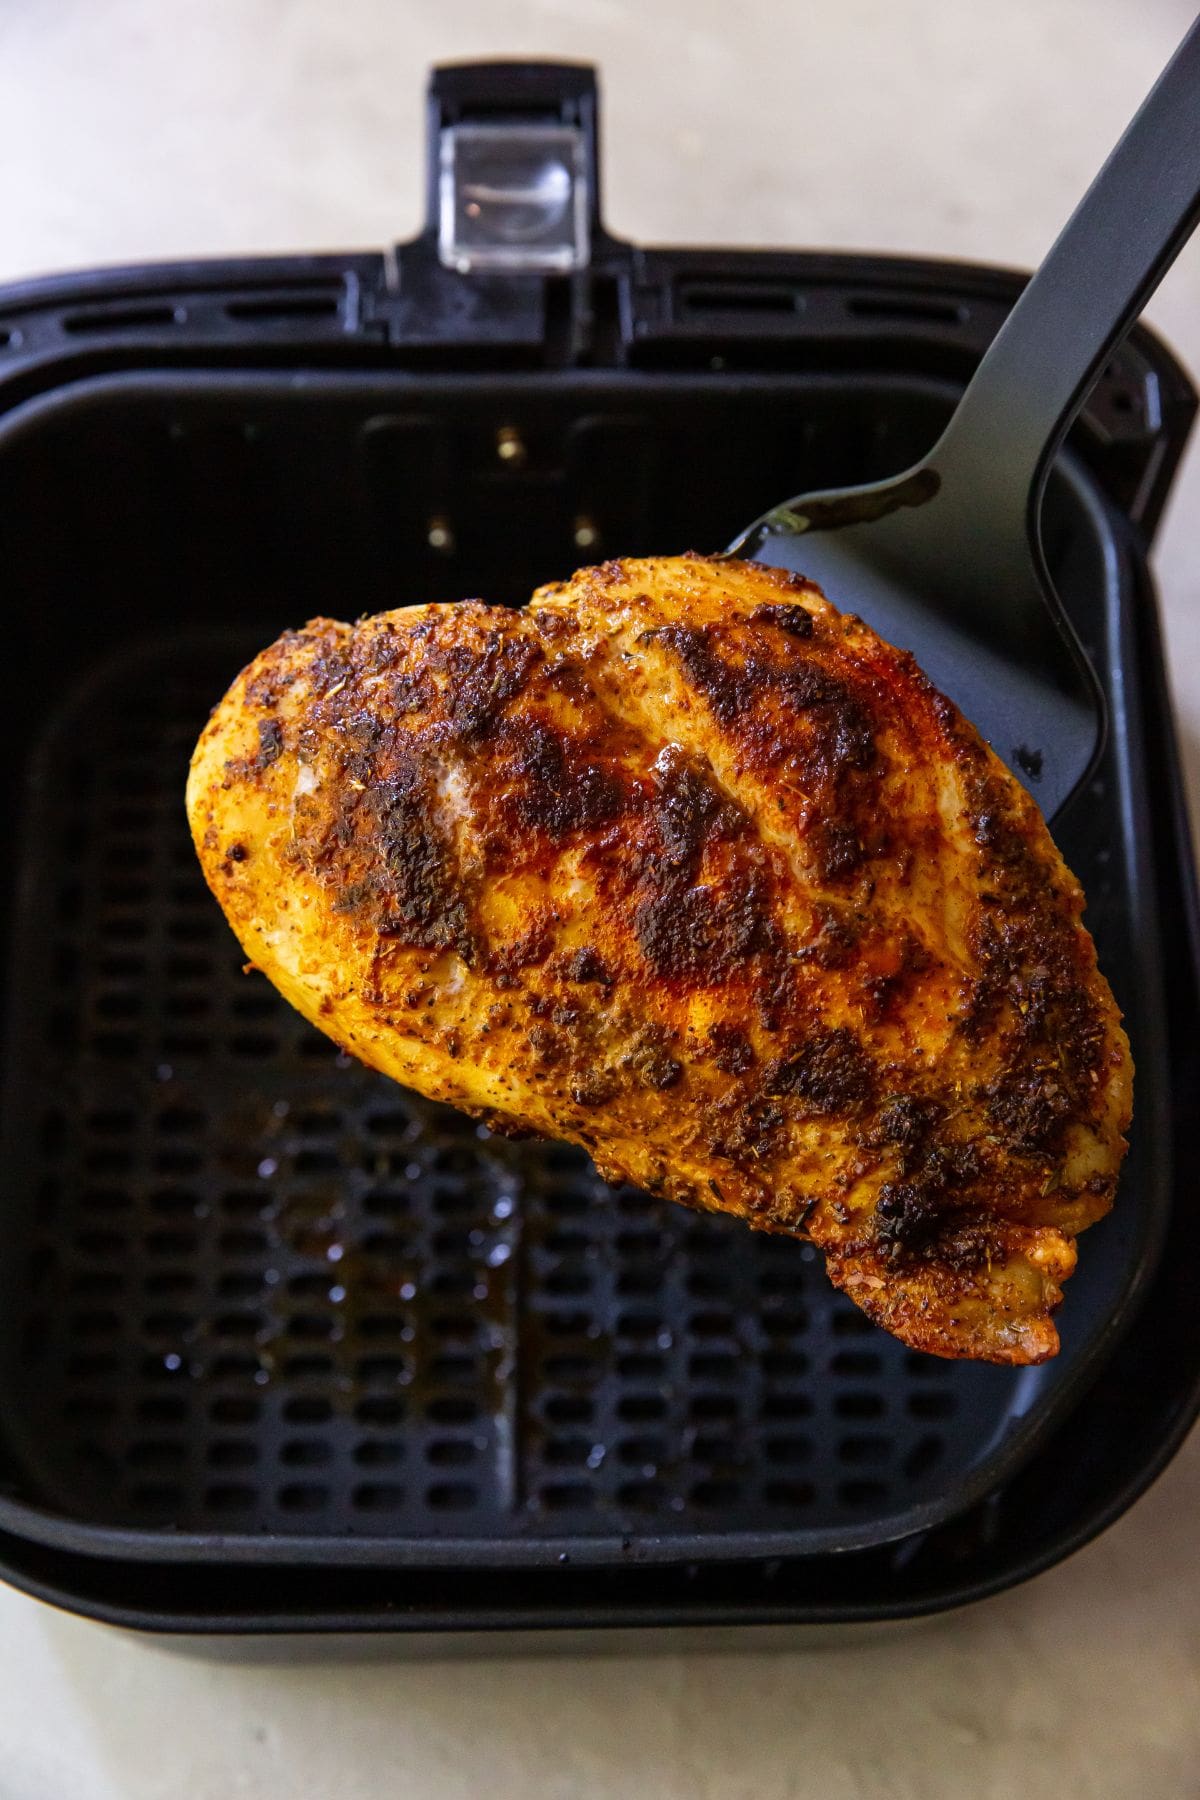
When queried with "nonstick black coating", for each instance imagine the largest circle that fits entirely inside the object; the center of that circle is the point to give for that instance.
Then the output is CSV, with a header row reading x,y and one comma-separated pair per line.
x,y
502,1362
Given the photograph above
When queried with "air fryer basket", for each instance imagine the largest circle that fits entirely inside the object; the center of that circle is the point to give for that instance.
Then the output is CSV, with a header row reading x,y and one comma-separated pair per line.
x,y
261,1306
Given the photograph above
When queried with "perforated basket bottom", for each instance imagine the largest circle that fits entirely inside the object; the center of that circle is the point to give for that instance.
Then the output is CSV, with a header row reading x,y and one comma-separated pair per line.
x,y
251,1285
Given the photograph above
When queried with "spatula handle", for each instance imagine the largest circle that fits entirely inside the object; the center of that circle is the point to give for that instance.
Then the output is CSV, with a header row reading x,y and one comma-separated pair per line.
x,y
1110,256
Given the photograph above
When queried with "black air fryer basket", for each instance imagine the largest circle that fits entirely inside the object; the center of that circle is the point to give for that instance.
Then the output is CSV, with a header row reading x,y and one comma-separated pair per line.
x,y
286,1348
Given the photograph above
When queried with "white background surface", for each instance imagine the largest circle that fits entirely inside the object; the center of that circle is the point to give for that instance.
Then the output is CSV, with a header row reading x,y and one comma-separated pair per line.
x,y
139,129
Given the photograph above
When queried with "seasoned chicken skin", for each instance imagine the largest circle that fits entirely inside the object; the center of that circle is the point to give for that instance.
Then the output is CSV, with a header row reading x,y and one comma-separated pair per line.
x,y
681,864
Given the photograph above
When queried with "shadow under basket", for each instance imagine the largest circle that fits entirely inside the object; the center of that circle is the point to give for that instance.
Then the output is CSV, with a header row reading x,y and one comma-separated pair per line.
x,y
285,1348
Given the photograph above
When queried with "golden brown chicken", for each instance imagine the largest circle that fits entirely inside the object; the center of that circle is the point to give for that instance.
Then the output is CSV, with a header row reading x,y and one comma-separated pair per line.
x,y
683,865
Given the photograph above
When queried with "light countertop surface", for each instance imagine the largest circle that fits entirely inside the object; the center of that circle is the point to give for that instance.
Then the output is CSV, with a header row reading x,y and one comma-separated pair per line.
x,y
131,131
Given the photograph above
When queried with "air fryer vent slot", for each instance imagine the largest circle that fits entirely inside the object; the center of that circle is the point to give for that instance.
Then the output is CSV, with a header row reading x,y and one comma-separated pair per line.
x,y
151,316
266,309
721,298
906,309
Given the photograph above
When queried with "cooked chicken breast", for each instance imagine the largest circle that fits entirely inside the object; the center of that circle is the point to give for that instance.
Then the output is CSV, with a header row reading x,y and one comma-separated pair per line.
x,y
681,864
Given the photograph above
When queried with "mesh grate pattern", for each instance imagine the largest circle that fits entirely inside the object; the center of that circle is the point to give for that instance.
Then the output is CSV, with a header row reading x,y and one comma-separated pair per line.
x,y
251,1285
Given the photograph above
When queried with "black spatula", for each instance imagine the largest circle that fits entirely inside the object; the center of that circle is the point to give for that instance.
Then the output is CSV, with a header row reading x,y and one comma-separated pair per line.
x,y
945,559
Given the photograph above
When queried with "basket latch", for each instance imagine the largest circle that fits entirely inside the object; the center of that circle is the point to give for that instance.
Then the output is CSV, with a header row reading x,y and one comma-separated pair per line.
x,y
513,167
